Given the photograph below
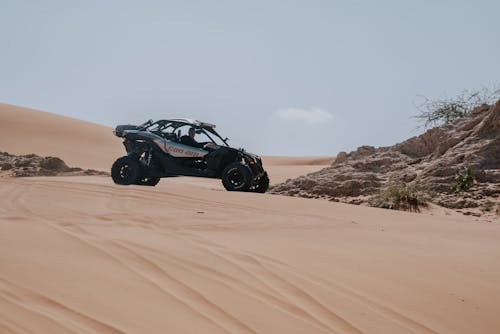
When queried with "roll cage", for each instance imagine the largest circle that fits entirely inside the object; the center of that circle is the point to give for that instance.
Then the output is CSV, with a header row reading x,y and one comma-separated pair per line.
x,y
168,127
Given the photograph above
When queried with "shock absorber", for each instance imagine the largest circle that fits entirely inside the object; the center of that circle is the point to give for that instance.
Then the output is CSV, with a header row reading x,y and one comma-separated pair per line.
x,y
148,160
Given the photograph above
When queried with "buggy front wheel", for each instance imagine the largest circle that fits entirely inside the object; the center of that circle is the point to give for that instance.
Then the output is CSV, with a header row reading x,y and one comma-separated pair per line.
x,y
148,181
261,185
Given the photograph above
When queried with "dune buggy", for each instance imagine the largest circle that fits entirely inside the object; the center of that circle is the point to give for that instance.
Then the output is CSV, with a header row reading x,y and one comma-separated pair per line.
x,y
158,149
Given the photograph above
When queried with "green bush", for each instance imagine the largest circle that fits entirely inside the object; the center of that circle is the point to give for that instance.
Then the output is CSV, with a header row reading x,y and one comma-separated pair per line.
x,y
463,180
400,196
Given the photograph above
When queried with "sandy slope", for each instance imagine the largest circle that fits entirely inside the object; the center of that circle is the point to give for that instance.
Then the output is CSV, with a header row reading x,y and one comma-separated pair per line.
x,y
78,143
82,255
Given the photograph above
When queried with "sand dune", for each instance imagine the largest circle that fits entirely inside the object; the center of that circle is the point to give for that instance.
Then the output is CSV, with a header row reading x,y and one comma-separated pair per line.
x,y
78,143
82,255
283,168
299,161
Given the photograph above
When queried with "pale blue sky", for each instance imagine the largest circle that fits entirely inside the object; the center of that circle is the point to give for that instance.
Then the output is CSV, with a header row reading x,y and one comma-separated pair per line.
x,y
277,77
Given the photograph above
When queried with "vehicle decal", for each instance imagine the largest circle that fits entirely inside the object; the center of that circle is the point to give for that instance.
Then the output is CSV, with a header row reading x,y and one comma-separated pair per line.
x,y
179,150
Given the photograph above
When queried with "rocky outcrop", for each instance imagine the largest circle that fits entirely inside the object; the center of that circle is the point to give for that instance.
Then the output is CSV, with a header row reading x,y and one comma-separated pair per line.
x,y
430,161
34,165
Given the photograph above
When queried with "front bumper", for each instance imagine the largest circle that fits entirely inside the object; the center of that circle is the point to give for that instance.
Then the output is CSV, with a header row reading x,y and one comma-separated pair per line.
x,y
255,164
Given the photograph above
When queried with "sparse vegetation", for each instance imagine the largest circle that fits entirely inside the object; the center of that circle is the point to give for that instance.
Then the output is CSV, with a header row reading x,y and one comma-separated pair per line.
x,y
488,206
401,196
491,207
444,111
463,180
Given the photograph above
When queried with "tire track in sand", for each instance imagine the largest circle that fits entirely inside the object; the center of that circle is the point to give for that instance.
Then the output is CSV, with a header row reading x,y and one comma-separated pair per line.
x,y
382,309
83,237
53,309
315,310
166,282
267,297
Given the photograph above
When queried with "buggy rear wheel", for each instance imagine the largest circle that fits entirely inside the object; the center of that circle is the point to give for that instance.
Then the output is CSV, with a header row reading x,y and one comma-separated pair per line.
x,y
236,177
125,171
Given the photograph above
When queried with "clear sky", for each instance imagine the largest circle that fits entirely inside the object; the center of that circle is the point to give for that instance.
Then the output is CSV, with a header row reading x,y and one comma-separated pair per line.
x,y
277,77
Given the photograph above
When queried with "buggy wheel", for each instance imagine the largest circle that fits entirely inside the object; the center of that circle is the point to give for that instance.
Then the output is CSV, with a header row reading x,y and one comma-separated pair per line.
x,y
236,177
148,181
125,171
261,185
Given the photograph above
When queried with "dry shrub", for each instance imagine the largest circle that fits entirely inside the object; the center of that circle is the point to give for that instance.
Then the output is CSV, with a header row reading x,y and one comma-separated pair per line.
x,y
400,196
435,112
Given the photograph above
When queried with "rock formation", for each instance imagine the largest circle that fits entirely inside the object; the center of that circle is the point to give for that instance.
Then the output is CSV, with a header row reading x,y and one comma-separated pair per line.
x,y
34,165
430,162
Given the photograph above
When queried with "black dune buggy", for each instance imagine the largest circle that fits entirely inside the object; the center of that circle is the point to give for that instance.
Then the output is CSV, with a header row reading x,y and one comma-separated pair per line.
x,y
157,149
